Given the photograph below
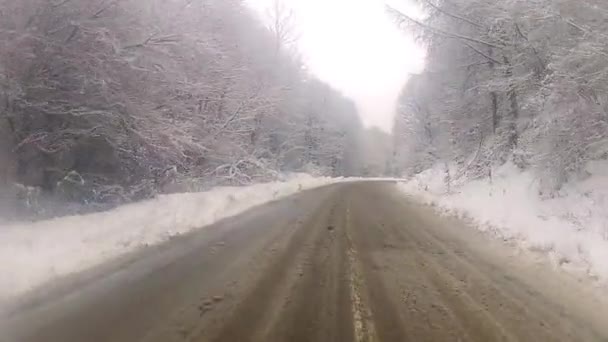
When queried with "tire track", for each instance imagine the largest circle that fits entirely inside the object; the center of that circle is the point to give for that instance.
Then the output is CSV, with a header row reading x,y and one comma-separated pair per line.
x,y
457,292
255,315
347,263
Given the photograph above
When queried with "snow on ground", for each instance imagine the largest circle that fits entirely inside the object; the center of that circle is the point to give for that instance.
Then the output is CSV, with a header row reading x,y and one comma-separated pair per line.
x,y
572,228
33,253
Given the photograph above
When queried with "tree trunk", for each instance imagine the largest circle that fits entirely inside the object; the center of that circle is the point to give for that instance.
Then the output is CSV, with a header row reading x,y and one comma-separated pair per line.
x,y
493,96
494,99
513,134
514,110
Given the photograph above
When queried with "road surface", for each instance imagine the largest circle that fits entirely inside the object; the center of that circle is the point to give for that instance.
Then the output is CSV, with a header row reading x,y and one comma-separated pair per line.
x,y
347,262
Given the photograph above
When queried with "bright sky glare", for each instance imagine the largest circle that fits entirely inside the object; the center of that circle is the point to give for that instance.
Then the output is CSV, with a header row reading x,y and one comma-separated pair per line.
x,y
354,46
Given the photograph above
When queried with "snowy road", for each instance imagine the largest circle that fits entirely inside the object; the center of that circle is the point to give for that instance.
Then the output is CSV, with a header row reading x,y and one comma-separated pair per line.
x,y
347,262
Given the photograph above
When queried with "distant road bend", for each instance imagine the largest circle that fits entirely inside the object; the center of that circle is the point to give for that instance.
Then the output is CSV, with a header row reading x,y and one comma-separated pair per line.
x,y
347,262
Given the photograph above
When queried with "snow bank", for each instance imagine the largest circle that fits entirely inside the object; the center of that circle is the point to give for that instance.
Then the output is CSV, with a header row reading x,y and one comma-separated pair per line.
x,y
571,228
33,253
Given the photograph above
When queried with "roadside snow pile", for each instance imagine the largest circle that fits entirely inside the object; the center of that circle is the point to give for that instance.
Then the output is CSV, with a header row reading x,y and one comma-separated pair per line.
x,y
571,228
33,253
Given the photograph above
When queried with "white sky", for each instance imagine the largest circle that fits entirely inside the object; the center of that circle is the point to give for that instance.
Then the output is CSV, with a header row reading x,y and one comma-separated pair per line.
x,y
354,46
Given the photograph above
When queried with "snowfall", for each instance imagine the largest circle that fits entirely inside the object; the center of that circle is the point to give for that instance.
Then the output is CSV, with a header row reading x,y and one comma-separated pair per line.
x,y
571,229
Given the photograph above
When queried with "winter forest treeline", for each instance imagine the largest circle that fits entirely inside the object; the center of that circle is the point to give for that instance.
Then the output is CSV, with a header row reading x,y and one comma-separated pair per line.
x,y
110,101
521,81
106,101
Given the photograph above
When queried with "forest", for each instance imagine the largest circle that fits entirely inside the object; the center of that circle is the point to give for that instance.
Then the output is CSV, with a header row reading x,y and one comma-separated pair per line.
x,y
106,102
518,81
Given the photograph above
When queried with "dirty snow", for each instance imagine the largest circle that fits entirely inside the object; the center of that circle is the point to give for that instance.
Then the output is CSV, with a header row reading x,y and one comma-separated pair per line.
x,y
571,228
34,253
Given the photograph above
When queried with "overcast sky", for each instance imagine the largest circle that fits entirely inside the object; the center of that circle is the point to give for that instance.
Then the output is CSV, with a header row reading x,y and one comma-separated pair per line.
x,y
354,46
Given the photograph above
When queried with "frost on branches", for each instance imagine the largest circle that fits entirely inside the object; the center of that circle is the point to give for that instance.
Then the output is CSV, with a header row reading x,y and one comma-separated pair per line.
x,y
519,80
113,101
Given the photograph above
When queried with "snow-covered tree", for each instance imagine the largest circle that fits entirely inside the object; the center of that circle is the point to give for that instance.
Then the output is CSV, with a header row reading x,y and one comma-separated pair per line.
x,y
511,80
110,101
